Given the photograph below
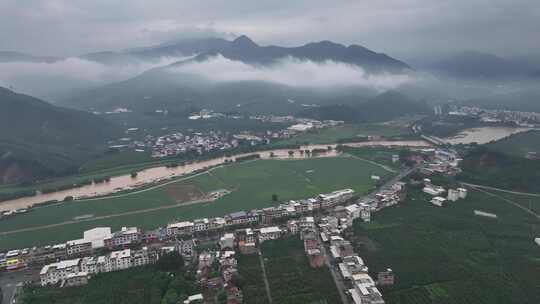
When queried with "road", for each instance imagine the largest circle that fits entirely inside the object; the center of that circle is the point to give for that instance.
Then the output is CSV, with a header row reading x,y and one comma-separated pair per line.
x,y
266,284
504,199
499,189
11,283
336,276
333,270
106,216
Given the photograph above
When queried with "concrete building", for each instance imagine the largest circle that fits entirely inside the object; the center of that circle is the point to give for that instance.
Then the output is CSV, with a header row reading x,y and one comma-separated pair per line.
x,y
78,247
438,201
227,241
462,192
453,195
126,236
180,228
56,272
269,233
75,279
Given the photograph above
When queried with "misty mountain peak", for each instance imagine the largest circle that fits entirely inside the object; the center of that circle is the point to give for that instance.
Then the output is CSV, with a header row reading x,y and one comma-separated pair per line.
x,y
244,41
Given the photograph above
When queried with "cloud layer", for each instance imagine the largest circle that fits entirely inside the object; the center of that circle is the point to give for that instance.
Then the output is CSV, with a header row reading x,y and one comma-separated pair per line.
x,y
45,80
292,72
73,27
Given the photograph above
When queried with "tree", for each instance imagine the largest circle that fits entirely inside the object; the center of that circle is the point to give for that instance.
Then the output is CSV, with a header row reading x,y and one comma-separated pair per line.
x,y
222,297
275,197
171,297
172,261
291,152
272,154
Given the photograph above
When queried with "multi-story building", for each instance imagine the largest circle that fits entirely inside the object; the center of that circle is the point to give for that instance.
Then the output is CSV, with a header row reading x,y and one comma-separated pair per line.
x,y
78,247
269,233
126,236
227,241
180,228
56,272
119,260
201,225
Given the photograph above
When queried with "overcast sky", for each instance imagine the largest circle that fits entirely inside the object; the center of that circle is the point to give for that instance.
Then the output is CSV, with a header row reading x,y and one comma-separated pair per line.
x,y
397,27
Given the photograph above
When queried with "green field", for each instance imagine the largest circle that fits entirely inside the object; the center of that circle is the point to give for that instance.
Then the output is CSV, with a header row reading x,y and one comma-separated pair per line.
x,y
448,255
518,144
251,279
347,131
291,279
252,185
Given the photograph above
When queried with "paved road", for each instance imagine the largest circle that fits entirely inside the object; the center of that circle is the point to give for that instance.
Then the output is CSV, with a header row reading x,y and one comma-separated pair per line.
x,y
499,189
336,276
11,283
505,200
266,284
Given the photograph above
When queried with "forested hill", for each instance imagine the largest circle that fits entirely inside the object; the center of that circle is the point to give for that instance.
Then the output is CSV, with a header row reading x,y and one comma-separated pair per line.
x,y
383,107
39,139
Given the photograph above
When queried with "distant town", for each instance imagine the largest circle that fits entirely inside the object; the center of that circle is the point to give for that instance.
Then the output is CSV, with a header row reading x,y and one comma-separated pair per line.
x,y
178,143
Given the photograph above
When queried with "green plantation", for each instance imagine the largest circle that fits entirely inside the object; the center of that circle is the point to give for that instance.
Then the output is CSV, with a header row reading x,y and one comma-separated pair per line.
x,y
291,279
449,255
251,279
252,184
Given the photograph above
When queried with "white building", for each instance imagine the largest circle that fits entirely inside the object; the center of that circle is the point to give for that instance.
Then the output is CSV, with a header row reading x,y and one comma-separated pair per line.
x,y
227,241
119,260
269,233
97,236
180,228
353,211
453,195
56,272
433,190
462,192
438,201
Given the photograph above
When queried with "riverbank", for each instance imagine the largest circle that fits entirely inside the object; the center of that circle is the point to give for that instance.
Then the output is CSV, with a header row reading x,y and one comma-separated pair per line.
x,y
153,175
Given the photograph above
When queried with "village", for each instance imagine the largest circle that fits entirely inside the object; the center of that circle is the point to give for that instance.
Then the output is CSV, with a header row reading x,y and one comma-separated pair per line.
x,y
323,224
200,143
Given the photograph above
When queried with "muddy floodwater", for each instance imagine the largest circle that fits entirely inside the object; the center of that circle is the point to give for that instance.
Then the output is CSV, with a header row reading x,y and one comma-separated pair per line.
x,y
161,173
483,135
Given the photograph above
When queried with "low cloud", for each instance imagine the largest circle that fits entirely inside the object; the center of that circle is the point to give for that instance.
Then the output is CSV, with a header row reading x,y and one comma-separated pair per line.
x,y
78,69
293,72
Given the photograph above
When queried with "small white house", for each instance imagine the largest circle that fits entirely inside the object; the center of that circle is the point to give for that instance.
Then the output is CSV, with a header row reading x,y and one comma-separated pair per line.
x,y
438,201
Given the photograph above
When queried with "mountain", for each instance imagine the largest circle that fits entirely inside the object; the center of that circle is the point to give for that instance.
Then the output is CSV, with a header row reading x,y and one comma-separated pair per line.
x,y
161,88
472,64
245,50
43,140
383,107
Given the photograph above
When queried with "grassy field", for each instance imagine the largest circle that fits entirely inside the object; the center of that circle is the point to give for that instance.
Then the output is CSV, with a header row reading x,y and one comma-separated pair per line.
x,y
290,277
331,135
251,278
518,144
252,185
448,255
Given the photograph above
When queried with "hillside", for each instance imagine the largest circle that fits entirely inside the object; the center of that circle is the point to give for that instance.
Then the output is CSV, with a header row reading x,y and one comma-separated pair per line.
x,y
520,145
471,64
41,140
383,107
490,168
